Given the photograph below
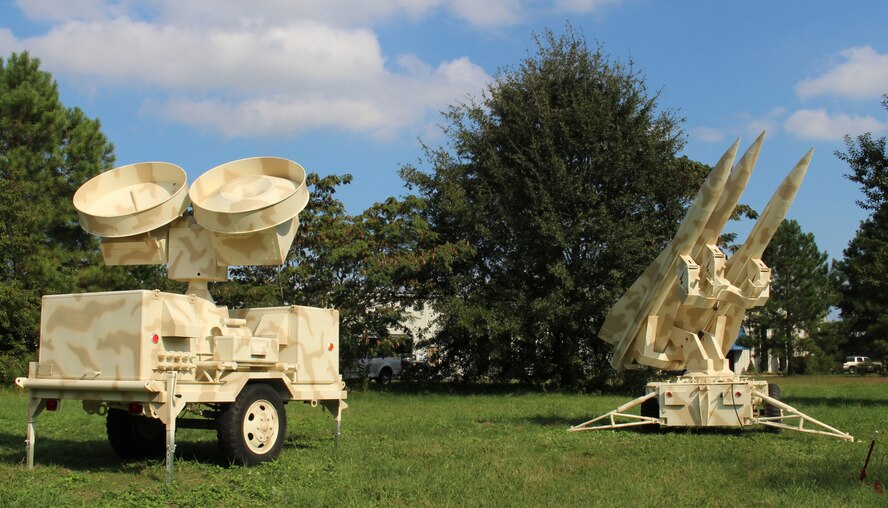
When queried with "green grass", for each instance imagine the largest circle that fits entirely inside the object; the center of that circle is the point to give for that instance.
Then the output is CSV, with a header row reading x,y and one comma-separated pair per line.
x,y
468,448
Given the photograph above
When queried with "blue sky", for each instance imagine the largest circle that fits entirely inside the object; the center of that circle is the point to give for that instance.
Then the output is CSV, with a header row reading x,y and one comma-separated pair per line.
x,y
349,86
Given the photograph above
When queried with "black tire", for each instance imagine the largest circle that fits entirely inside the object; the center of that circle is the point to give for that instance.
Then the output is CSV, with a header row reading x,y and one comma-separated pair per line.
x,y
651,409
852,370
771,410
135,437
385,376
252,430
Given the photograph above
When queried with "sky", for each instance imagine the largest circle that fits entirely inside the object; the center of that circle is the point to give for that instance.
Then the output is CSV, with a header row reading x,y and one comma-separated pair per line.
x,y
357,86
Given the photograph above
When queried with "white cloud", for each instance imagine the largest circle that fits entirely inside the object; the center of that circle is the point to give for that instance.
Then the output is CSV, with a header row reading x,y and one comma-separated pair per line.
x,y
819,124
271,12
583,6
272,72
8,44
488,12
67,10
298,56
863,74
280,116
380,108
707,134
768,122
745,122
267,67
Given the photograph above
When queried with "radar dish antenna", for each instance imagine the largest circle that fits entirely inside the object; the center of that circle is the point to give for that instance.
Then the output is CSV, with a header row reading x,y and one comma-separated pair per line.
x,y
252,207
133,199
245,212
249,195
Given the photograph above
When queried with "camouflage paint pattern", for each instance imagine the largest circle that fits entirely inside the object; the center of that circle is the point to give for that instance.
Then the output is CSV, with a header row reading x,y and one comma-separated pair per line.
x,y
642,300
131,200
686,309
249,195
110,337
173,352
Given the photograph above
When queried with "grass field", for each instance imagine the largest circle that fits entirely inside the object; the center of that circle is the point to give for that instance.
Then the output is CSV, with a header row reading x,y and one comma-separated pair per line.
x,y
464,447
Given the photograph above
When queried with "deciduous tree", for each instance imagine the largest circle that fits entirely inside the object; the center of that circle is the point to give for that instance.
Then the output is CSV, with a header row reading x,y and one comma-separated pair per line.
x,y
564,179
372,267
864,269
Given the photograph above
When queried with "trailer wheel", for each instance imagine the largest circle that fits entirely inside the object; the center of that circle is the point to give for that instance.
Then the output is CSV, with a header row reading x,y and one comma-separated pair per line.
x,y
252,430
651,409
771,411
385,376
135,436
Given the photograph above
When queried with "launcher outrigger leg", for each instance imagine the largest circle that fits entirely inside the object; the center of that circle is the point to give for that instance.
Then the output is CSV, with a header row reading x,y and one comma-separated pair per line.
x,y
620,412
778,421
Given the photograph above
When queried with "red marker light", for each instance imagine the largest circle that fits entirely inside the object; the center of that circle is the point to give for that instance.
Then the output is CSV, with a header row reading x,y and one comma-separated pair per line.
x,y
330,347
135,408
155,339
738,394
52,404
668,395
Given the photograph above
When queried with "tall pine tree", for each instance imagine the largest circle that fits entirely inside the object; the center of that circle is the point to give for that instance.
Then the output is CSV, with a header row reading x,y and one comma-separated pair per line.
x,y
801,295
46,152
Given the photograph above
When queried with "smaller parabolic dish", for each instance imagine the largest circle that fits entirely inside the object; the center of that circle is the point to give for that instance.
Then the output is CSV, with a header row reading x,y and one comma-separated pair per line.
x,y
249,195
133,199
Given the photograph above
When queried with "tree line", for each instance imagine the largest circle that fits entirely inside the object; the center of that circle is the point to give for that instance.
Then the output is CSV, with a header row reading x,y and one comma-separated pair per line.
x,y
555,189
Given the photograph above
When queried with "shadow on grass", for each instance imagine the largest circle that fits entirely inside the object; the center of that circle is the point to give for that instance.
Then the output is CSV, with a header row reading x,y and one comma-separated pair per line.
x,y
480,388
98,456
448,388
834,401
565,423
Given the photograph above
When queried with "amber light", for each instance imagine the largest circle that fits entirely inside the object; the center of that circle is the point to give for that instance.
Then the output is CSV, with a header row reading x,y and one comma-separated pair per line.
x,y
330,348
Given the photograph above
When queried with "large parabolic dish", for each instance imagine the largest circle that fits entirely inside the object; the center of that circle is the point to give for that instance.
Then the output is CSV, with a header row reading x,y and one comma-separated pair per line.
x,y
251,206
249,195
133,199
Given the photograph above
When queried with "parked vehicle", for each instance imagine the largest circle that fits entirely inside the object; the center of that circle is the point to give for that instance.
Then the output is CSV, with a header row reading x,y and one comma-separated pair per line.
x,y
382,369
855,364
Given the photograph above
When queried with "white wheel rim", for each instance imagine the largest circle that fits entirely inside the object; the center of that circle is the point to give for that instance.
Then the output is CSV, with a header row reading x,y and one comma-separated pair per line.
x,y
260,426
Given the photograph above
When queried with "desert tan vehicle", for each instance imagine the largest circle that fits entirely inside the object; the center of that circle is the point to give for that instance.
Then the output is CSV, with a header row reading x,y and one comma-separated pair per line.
x,y
146,359
685,311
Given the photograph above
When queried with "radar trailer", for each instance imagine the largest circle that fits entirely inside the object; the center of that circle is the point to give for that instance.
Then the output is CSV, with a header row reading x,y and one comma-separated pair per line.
x,y
685,311
145,359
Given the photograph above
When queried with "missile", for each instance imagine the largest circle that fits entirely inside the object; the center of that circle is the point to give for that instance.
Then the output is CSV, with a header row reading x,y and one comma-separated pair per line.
x,y
647,294
767,224
731,196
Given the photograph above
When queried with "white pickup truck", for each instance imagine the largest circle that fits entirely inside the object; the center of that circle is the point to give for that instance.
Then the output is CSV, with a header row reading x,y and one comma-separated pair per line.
x,y
381,368
855,364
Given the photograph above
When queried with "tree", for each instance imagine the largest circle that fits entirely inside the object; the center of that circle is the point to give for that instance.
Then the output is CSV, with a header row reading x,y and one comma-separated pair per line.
x,y
863,272
372,267
46,152
801,295
564,180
